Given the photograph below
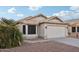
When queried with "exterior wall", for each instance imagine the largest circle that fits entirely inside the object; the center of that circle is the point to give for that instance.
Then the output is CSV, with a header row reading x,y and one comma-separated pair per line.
x,y
34,20
45,31
55,21
38,30
27,36
20,27
31,36
41,31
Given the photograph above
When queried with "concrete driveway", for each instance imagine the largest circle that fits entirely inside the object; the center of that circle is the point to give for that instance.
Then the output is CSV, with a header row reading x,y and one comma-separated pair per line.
x,y
68,41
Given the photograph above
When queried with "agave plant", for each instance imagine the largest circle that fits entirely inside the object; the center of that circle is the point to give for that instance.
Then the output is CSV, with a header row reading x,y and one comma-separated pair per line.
x,y
10,35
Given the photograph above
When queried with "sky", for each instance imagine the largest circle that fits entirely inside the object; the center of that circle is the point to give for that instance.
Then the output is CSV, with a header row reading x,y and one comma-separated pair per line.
x,y
19,12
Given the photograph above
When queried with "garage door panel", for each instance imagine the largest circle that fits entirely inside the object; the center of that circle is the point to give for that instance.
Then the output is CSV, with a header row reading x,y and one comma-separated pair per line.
x,y
54,32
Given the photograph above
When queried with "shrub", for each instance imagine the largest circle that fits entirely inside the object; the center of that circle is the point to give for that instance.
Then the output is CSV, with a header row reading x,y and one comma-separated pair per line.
x,y
10,35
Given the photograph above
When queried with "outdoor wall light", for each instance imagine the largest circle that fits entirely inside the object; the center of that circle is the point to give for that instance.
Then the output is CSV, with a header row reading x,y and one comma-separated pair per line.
x,y
46,27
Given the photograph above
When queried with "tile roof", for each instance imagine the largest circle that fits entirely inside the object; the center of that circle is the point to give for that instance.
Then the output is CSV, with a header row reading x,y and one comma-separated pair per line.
x,y
31,17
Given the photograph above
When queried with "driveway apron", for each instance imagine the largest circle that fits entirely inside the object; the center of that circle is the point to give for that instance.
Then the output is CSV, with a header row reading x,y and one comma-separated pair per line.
x,y
68,41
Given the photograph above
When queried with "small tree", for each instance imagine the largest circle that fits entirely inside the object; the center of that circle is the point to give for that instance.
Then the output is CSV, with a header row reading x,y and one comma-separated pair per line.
x,y
10,35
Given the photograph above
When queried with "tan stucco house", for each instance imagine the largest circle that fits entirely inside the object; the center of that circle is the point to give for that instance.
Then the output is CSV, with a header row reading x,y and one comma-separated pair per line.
x,y
43,27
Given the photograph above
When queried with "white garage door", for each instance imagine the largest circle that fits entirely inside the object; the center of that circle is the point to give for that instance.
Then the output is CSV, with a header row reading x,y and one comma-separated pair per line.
x,y
55,32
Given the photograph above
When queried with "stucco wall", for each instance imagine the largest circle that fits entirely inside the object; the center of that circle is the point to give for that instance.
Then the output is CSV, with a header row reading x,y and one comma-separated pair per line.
x,y
20,27
34,20
27,36
41,31
55,21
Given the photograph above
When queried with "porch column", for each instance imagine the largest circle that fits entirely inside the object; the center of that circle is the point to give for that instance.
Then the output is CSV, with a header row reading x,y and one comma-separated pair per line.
x,y
36,29
76,32
76,29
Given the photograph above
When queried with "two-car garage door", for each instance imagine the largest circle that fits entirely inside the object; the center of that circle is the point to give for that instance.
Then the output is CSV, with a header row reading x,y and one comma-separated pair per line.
x,y
55,32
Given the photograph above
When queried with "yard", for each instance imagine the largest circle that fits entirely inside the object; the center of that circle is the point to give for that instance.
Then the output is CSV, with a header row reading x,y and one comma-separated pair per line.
x,y
47,46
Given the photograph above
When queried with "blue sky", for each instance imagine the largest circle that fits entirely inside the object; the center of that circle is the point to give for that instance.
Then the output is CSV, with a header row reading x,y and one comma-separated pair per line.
x,y
18,12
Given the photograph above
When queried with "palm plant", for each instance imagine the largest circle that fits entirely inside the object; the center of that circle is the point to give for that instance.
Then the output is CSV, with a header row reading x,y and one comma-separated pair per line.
x,y
10,35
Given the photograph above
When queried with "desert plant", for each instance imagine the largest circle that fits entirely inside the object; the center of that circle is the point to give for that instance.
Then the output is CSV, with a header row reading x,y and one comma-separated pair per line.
x,y
10,35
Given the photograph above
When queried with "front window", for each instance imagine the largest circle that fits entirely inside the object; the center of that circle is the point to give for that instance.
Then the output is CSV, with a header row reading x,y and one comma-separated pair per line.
x,y
73,29
31,29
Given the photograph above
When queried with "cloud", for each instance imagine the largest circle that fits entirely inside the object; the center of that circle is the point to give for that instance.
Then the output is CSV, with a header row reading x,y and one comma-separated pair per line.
x,y
64,13
20,15
33,8
3,12
61,13
74,8
72,13
12,10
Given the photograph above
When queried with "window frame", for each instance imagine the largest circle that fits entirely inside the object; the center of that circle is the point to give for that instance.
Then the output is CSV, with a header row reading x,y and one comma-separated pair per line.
x,y
74,29
77,29
24,29
31,29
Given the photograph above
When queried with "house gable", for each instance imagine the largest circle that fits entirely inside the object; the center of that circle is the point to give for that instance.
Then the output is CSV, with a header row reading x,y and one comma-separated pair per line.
x,y
55,19
74,23
34,20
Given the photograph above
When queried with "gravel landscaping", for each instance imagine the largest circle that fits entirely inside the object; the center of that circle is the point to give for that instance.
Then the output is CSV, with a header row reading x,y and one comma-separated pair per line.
x,y
48,46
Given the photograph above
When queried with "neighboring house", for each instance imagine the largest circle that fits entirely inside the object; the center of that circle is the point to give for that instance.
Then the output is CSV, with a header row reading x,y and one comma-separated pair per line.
x,y
73,28
42,26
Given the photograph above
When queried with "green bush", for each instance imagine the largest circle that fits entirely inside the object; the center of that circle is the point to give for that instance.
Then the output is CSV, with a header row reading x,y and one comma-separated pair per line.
x,y
10,36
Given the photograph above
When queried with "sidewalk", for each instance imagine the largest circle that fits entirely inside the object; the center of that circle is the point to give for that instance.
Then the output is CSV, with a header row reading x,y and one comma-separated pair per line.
x,y
36,41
